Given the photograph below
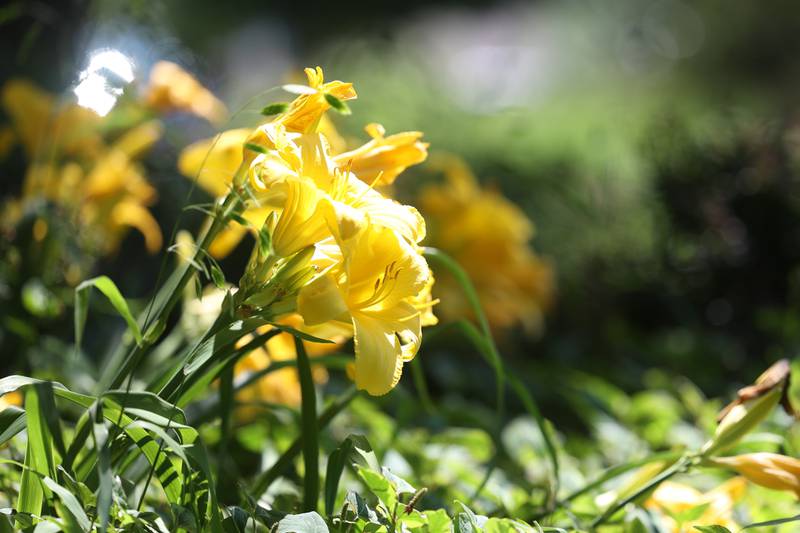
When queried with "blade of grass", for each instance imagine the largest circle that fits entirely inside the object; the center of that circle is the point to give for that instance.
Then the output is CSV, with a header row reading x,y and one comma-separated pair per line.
x,y
308,429
109,289
490,351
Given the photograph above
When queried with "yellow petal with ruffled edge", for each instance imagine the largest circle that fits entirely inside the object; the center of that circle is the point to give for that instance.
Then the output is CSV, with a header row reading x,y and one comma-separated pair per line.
x,y
382,345
382,159
306,110
403,219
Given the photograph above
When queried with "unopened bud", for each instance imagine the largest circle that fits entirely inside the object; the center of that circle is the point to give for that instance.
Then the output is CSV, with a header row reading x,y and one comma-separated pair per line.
x,y
752,405
770,470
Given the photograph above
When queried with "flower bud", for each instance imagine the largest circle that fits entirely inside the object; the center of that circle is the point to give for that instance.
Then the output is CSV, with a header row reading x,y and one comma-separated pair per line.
x,y
770,470
752,405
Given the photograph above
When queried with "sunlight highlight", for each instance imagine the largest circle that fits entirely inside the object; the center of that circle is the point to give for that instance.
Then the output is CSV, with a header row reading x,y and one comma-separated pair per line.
x,y
100,85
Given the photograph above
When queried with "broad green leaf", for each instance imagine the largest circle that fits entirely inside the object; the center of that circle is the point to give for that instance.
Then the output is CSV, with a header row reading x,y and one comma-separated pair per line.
x,y
713,529
438,521
302,523
381,487
110,291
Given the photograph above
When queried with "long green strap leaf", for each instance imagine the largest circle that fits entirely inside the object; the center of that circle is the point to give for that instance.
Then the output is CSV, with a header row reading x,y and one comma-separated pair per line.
x,y
110,291
309,429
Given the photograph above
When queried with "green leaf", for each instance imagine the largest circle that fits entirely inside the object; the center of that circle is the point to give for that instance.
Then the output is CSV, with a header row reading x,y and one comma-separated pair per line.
x,y
70,502
354,449
199,456
302,523
217,276
300,334
110,291
38,457
105,476
309,429
484,341
146,401
275,109
12,421
713,529
31,495
438,521
378,485
337,104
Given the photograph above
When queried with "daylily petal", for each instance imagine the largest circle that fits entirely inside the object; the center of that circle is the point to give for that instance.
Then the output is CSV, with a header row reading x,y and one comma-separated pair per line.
x,y
382,159
172,88
136,216
302,222
321,301
213,162
379,355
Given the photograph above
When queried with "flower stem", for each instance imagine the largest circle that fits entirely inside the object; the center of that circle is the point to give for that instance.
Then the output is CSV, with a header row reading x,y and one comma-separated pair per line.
x,y
677,467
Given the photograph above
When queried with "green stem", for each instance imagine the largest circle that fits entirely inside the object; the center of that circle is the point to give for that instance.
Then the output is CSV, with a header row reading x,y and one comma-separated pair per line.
x,y
618,470
172,293
679,466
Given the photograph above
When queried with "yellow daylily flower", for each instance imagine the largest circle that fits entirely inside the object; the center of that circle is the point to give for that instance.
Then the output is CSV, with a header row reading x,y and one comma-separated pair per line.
x,y
372,289
306,110
37,119
770,470
172,88
673,498
489,237
382,159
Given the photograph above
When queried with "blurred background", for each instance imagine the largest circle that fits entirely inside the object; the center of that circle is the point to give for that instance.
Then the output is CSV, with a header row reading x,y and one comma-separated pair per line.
x,y
655,145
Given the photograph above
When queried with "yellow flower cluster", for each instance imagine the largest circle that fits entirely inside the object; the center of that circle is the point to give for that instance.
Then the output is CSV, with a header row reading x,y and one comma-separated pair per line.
x,y
489,237
82,162
100,184
371,280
